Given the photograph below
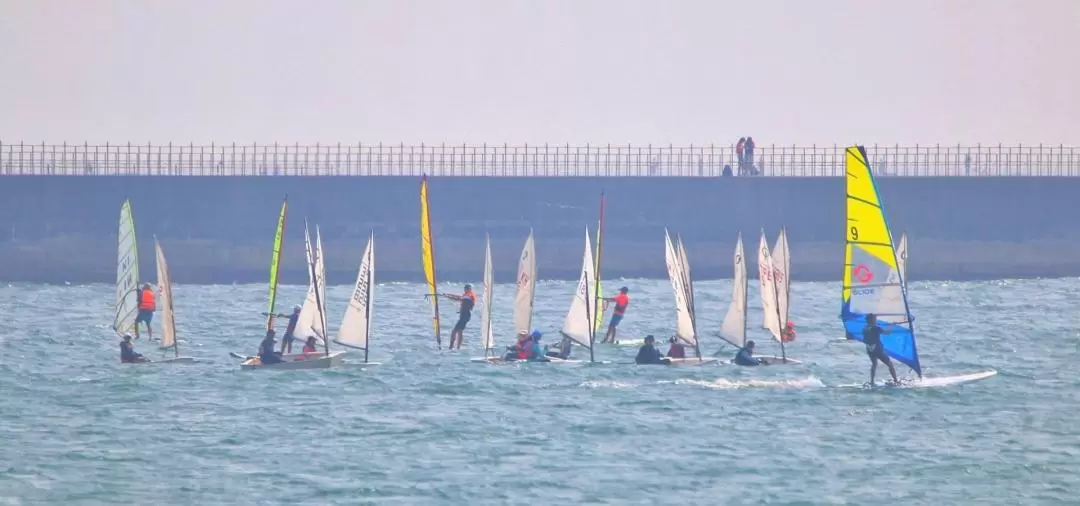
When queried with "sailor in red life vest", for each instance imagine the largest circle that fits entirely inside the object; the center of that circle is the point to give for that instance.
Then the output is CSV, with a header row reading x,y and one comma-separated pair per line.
x,y
788,334
310,346
621,301
147,306
677,350
468,300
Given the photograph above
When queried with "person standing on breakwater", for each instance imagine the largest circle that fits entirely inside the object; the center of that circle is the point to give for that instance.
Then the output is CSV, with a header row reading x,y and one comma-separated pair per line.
x,y
146,306
739,149
748,156
468,300
621,301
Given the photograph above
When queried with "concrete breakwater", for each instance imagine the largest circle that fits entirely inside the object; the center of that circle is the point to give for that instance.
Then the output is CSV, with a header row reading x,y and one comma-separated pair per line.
x,y
219,229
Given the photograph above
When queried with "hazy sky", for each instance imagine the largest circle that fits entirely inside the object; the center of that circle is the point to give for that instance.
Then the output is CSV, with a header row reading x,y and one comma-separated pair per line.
x,y
577,71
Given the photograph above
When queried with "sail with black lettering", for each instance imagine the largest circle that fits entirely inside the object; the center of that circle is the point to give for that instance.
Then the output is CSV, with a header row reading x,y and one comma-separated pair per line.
x,y
355,331
872,273
127,274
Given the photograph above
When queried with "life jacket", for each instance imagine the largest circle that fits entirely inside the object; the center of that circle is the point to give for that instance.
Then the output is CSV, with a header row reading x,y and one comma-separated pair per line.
x,y
788,335
310,349
468,300
621,301
523,349
146,300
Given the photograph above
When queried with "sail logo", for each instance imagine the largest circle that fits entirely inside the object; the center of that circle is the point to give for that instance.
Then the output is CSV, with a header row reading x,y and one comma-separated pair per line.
x,y
862,274
765,273
523,280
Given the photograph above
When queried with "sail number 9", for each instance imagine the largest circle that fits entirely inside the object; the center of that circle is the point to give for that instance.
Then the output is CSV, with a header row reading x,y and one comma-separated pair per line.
x,y
854,233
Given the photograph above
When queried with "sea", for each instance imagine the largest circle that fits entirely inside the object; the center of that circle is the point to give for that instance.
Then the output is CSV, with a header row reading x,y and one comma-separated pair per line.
x,y
430,427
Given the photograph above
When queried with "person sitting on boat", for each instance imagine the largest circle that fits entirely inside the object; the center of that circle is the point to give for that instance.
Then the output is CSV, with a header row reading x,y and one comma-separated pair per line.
x,y
648,354
536,352
311,346
520,350
267,355
788,334
745,356
874,349
677,350
468,300
563,351
127,352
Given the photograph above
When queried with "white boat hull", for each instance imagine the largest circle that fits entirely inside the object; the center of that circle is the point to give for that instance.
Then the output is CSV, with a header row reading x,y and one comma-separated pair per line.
x,y
293,362
500,360
690,361
771,360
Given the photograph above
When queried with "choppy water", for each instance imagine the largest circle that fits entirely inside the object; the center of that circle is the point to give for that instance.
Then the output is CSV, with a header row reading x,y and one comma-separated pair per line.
x,y
429,427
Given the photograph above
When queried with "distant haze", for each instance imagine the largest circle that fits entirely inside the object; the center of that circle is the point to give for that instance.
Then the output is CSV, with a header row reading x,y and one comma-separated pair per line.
x,y
576,71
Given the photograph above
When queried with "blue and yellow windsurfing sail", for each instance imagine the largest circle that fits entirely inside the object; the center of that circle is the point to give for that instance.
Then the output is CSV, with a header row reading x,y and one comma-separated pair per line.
x,y
872,281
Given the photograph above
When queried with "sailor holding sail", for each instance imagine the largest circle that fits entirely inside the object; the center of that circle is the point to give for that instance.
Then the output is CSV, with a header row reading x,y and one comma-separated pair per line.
x,y
874,349
468,301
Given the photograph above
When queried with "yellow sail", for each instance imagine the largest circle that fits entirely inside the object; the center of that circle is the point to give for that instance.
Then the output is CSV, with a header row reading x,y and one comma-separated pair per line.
x,y
275,261
866,229
428,247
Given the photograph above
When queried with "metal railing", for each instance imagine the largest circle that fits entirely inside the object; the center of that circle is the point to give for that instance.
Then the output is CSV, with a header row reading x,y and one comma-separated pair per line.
x,y
526,160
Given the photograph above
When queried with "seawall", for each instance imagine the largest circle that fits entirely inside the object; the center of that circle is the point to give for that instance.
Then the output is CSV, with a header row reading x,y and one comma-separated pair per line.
x,y
218,229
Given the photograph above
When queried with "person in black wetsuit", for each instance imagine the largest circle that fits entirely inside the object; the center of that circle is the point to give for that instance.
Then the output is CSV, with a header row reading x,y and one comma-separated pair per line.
x,y
127,352
874,349
745,356
648,354
468,300
267,355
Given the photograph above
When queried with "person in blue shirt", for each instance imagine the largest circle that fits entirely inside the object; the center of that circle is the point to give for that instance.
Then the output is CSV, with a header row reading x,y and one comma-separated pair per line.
x,y
648,354
288,338
536,353
267,355
127,352
745,356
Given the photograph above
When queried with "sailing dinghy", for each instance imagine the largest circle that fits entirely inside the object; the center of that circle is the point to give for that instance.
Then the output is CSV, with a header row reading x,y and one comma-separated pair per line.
x,y
295,361
309,324
355,330
873,277
733,328
523,299
168,318
678,268
770,296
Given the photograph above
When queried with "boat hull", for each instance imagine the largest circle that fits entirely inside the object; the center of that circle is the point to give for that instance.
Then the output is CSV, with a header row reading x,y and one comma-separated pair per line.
x,y
501,360
175,360
684,362
291,362
772,360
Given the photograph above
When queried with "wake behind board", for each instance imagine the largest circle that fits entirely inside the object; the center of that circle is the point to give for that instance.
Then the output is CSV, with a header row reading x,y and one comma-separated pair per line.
x,y
930,381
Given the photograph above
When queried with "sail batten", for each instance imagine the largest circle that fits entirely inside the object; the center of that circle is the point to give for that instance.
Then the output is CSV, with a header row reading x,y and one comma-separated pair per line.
x,y
356,323
873,275
427,244
127,273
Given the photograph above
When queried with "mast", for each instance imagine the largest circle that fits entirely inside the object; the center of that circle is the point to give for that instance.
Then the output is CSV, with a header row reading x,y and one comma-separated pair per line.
x,y
371,294
598,299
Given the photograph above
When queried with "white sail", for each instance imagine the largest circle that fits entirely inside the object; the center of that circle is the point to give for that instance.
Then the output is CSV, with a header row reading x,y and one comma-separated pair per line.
x,y
165,304
526,287
127,274
733,329
579,319
688,282
310,321
355,328
901,257
487,334
684,323
781,263
768,288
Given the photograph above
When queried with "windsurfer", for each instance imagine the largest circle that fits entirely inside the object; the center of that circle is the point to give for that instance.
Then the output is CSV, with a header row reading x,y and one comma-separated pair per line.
x,y
677,350
745,356
874,349
621,301
127,352
147,306
267,355
648,354
288,338
468,300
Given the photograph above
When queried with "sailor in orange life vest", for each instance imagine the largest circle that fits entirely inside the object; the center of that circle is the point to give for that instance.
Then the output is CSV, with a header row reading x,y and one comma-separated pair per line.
x,y
788,334
468,300
621,301
147,306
